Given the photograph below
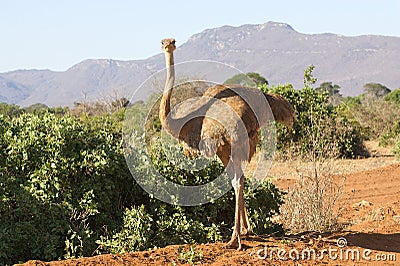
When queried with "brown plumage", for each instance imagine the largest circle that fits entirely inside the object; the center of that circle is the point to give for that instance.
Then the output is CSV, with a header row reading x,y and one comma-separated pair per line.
x,y
225,122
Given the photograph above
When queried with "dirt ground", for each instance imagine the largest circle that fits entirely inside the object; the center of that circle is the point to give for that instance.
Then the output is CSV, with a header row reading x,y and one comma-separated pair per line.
x,y
371,235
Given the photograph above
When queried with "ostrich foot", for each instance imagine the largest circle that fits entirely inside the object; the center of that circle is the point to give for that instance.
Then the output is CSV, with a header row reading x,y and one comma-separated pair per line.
x,y
234,243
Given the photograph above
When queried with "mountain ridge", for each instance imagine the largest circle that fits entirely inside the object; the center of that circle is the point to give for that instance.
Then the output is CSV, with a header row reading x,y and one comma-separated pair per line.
x,y
274,49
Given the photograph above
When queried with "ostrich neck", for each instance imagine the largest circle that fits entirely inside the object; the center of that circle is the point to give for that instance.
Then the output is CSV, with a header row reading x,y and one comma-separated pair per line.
x,y
169,64
165,104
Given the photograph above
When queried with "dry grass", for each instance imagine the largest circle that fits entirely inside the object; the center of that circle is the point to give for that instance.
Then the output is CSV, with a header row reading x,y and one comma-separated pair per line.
x,y
286,172
312,202
315,189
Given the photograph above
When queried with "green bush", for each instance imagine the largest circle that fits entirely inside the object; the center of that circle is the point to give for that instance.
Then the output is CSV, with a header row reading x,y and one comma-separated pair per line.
x,y
134,234
396,147
375,115
389,137
393,96
191,256
66,191
61,181
10,110
13,110
318,125
167,224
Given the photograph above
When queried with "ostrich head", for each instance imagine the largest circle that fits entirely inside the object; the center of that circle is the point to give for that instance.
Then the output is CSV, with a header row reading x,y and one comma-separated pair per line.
x,y
168,45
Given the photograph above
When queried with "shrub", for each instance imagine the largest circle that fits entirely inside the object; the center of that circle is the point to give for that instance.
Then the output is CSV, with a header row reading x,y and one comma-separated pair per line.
x,y
165,224
393,96
314,117
62,180
64,184
389,137
171,224
312,203
376,115
10,110
191,256
396,147
134,235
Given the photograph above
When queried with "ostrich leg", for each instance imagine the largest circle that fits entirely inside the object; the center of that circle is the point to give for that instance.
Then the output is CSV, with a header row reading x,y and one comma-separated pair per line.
x,y
245,228
238,184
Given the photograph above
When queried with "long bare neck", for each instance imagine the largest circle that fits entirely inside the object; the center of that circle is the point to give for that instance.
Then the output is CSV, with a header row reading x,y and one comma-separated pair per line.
x,y
165,105
169,64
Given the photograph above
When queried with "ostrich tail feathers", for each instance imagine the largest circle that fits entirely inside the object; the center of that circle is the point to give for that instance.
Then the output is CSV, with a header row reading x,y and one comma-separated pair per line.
x,y
282,109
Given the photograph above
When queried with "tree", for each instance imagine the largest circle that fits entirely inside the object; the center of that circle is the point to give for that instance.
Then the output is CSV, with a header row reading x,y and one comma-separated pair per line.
x,y
257,78
248,79
329,88
333,92
376,90
36,108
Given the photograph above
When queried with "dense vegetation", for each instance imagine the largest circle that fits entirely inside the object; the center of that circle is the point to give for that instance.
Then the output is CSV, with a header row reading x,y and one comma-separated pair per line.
x,y
66,191
320,125
62,180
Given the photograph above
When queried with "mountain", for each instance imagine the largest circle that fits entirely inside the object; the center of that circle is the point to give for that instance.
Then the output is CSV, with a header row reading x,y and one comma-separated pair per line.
x,y
275,50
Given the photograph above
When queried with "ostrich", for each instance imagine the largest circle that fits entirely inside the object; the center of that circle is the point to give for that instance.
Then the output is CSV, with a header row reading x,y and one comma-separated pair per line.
x,y
207,135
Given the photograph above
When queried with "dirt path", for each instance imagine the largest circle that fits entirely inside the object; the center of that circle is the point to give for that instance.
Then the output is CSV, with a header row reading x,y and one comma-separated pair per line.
x,y
372,236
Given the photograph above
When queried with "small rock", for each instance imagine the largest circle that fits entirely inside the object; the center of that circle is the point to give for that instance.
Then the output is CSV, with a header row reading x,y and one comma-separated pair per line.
x,y
362,204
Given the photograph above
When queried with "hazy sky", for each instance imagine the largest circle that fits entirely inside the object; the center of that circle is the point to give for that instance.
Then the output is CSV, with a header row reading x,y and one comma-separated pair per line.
x,y
56,34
